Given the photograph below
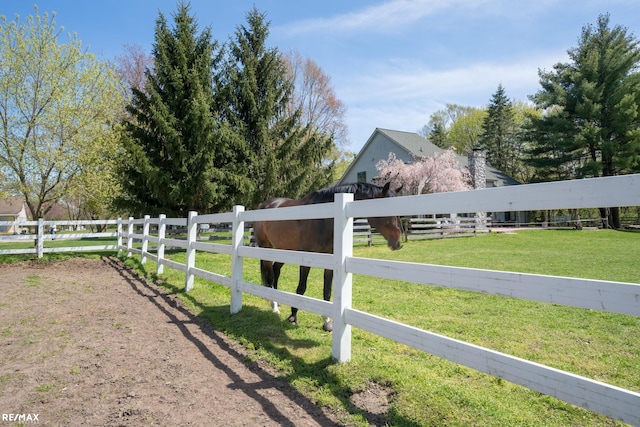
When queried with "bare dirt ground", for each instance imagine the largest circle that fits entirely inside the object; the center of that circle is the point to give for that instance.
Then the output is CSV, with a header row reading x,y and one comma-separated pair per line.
x,y
87,342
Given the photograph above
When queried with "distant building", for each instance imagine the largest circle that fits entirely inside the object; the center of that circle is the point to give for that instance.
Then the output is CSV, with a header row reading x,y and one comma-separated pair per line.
x,y
12,209
407,146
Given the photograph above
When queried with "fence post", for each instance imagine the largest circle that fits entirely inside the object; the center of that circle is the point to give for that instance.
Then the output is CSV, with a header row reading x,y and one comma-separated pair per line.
x,y
192,235
40,238
237,240
342,248
130,237
162,229
119,236
145,239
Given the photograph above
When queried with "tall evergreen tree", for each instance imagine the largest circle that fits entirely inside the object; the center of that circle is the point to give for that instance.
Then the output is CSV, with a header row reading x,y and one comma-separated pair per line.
x,y
593,104
284,158
499,133
552,151
181,156
438,135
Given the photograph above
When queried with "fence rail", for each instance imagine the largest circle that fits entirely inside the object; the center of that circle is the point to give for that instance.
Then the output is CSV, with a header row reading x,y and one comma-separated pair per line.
x,y
41,235
433,228
608,296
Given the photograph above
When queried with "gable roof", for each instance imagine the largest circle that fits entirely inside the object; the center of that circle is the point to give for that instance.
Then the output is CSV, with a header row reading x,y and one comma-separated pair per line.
x,y
11,205
411,142
418,146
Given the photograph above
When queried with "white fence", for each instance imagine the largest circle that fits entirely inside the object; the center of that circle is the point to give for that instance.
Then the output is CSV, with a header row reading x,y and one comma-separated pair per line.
x,y
362,231
437,228
42,234
614,297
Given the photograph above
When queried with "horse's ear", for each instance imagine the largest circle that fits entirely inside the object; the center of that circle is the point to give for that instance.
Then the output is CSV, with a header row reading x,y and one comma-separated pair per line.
x,y
385,189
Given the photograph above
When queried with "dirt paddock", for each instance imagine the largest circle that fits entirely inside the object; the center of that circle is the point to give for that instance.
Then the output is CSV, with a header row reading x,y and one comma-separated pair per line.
x,y
87,342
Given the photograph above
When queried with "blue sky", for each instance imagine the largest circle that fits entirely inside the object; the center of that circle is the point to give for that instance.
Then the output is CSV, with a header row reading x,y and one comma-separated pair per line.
x,y
392,62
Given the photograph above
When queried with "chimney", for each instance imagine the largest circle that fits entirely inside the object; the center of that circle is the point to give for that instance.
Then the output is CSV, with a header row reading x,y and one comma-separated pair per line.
x,y
477,167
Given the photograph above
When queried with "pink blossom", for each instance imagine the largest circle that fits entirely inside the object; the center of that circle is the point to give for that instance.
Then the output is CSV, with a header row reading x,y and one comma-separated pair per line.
x,y
440,173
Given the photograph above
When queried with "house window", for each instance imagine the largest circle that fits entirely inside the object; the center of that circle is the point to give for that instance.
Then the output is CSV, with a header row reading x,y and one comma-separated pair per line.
x,y
362,176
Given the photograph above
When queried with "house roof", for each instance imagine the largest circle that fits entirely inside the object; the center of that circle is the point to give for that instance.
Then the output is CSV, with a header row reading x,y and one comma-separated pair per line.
x,y
11,205
411,142
419,146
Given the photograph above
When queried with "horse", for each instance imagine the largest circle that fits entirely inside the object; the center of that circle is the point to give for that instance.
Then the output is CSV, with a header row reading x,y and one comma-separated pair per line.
x,y
316,235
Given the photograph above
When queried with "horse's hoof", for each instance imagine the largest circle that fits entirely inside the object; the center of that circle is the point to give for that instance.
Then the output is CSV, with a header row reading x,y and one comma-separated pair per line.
x,y
293,319
328,326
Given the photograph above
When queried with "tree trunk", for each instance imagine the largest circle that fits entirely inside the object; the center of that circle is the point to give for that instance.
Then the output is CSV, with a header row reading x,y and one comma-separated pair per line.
x,y
575,217
604,217
614,218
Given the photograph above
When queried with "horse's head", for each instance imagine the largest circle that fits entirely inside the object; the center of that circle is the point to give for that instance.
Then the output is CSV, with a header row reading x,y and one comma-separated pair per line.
x,y
389,226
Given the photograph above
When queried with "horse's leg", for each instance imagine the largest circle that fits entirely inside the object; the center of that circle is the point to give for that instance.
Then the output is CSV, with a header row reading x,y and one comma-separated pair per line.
x,y
302,287
328,279
270,273
277,266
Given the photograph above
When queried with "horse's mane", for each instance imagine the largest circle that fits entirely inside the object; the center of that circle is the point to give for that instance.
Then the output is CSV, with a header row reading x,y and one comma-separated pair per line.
x,y
360,190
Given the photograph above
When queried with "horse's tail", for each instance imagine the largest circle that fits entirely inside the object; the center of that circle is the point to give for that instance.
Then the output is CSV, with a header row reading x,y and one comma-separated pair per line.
x,y
266,271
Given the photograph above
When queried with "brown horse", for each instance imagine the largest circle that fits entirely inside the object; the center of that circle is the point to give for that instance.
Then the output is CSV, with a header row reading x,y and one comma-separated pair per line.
x,y
316,235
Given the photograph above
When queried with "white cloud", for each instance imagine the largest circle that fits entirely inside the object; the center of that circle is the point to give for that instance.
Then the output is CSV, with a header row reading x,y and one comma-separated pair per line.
x,y
385,16
404,97
415,82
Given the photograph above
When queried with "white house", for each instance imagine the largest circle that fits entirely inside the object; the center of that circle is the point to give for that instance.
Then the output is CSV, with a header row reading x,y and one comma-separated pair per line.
x,y
407,146
12,209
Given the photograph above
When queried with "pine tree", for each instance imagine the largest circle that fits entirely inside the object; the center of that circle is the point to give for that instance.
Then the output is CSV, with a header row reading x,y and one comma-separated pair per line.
x,y
181,156
438,135
499,136
592,125
284,158
552,153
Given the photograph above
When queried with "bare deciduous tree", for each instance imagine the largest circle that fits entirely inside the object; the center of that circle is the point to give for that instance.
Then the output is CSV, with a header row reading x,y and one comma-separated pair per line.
x,y
315,97
132,66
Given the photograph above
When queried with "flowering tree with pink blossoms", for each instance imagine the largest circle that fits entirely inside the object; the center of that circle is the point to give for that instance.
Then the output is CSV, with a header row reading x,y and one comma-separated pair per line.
x,y
439,173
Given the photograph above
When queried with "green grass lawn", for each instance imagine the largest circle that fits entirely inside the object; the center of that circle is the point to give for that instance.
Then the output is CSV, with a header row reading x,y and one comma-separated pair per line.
x,y
426,390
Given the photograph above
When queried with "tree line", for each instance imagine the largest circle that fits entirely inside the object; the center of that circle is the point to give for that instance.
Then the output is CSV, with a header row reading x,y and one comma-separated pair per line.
x,y
198,125
583,122
202,124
